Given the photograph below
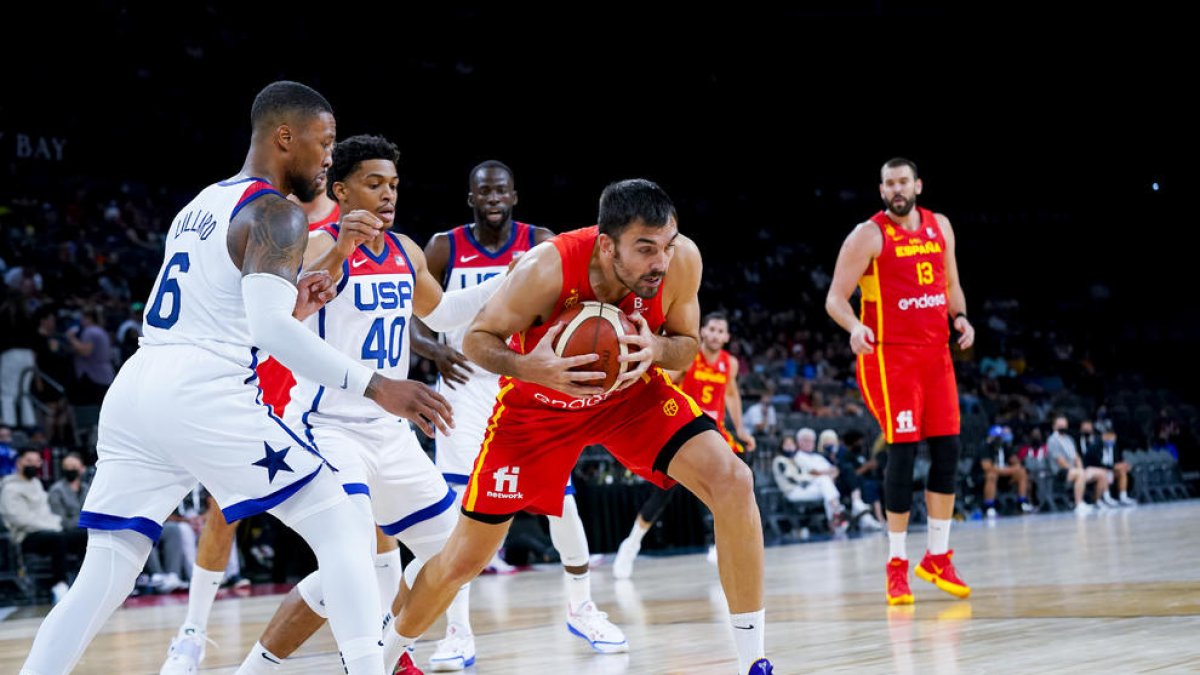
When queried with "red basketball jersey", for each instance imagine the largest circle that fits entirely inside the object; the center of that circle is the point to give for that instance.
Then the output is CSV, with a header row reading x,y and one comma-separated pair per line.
x,y
575,248
706,383
904,291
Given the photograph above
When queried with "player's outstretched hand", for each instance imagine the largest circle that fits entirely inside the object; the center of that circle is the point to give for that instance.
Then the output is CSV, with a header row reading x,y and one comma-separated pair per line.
x,y
313,290
862,340
413,401
542,366
641,354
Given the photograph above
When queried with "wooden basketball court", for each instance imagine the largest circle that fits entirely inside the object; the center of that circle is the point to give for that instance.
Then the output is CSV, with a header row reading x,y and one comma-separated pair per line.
x,y
1113,592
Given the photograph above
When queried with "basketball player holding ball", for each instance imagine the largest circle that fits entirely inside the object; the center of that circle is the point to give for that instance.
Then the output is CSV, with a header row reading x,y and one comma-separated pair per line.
x,y
546,413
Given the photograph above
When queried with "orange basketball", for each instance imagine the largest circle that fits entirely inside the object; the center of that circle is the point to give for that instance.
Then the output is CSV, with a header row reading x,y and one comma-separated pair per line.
x,y
592,328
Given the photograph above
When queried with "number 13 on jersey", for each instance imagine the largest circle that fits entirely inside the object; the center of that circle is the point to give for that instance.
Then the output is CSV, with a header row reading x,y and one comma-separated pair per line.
x,y
924,273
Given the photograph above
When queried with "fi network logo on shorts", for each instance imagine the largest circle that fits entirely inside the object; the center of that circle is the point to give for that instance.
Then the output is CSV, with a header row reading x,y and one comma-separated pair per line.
x,y
904,423
506,483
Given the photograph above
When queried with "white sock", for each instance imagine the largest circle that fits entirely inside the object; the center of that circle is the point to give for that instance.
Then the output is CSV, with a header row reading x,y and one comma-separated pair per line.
x,y
201,593
459,611
579,589
897,545
394,645
748,637
388,570
260,661
636,533
1124,495
361,655
939,536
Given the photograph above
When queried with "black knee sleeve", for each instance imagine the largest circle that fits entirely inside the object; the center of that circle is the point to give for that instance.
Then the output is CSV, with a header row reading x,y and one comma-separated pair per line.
x,y
943,464
898,477
656,504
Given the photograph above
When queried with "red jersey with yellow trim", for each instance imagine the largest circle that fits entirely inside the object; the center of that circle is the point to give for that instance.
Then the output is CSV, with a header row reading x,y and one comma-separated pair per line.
x,y
904,291
575,248
706,383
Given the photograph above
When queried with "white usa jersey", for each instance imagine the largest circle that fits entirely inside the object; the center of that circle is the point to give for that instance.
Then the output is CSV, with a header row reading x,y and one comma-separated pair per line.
x,y
368,321
197,299
471,264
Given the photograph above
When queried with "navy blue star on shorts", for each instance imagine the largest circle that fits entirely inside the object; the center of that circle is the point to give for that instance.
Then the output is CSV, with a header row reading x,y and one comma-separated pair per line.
x,y
273,461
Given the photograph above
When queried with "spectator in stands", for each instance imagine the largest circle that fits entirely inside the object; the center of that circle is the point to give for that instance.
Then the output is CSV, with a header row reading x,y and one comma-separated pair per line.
x,y
760,418
130,330
25,508
998,461
8,454
807,476
1110,458
1089,440
17,339
55,375
68,492
1061,448
1034,450
803,402
93,357
847,479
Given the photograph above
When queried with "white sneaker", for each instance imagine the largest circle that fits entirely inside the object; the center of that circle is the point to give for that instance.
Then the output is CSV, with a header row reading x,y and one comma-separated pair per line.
x,y
168,583
186,652
1026,507
592,625
499,566
58,592
991,513
456,651
1109,501
867,523
626,553
1082,509
1126,500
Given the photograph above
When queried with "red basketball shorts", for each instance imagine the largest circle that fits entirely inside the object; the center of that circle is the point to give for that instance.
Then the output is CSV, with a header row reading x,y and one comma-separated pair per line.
x,y
530,445
911,391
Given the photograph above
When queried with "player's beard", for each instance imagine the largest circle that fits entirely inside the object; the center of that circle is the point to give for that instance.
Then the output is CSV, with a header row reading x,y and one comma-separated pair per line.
x,y
644,292
904,208
305,189
482,219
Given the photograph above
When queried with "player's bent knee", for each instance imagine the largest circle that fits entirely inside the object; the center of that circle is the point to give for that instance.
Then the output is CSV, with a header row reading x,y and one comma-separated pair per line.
x,y
310,592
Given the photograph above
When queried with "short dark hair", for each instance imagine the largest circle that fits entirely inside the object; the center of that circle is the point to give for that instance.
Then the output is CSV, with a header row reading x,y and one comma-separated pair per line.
x,y
715,316
488,164
69,455
25,451
897,162
280,99
348,154
625,201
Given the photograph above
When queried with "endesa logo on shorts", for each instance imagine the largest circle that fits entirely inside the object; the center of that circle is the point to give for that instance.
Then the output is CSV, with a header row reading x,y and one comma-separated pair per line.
x,y
506,483
573,404
922,302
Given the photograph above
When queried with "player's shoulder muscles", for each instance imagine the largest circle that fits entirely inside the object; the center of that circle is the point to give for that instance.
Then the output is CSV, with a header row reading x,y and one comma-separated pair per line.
x,y
437,254
541,234
534,284
269,235
864,239
944,223
415,255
